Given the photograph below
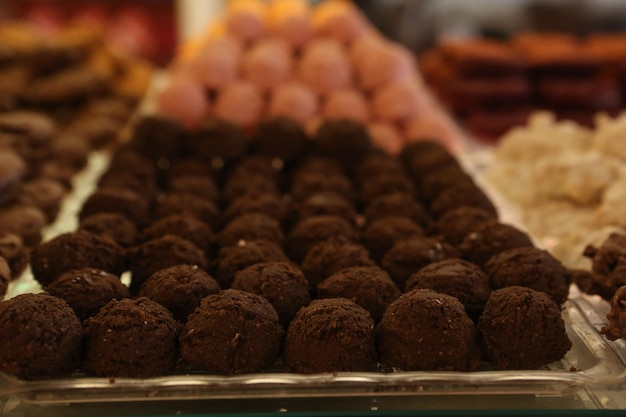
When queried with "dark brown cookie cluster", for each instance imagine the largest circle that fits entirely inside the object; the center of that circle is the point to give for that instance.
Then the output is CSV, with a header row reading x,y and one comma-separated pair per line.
x,y
334,261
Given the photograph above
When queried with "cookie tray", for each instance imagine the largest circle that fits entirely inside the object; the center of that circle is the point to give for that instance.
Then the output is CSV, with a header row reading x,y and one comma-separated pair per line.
x,y
592,361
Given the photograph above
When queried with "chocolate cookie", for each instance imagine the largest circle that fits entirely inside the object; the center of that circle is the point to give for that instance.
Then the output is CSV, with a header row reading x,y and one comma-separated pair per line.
x,y
131,338
233,332
87,290
368,286
179,288
521,328
50,259
427,331
281,283
48,346
330,335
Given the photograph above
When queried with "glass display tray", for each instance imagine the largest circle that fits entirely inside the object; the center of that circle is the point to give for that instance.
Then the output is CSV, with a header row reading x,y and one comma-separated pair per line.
x,y
592,360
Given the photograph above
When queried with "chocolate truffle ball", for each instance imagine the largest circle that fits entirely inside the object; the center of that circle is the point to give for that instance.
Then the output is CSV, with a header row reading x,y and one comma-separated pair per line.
x,y
189,228
490,239
268,204
51,259
381,234
251,226
130,170
41,337
384,184
116,200
529,267
198,185
330,256
368,286
143,187
217,138
431,185
521,328
281,283
317,164
427,331
236,187
189,205
256,166
330,335
5,277
161,253
233,332
131,338
458,278
461,194
87,290
375,164
14,253
180,289
457,223
325,203
304,186
114,226
132,163
282,138
157,137
409,256
310,231
234,258
342,139
398,204
422,156
182,167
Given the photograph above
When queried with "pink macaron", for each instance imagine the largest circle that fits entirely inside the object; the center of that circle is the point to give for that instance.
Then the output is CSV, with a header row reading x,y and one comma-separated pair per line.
x,y
398,101
340,20
347,103
240,102
294,100
183,99
246,19
324,66
216,64
383,62
267,63
291,21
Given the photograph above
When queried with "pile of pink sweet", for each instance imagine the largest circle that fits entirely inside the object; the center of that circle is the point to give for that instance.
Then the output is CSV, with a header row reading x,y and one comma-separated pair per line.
x,y
285,58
